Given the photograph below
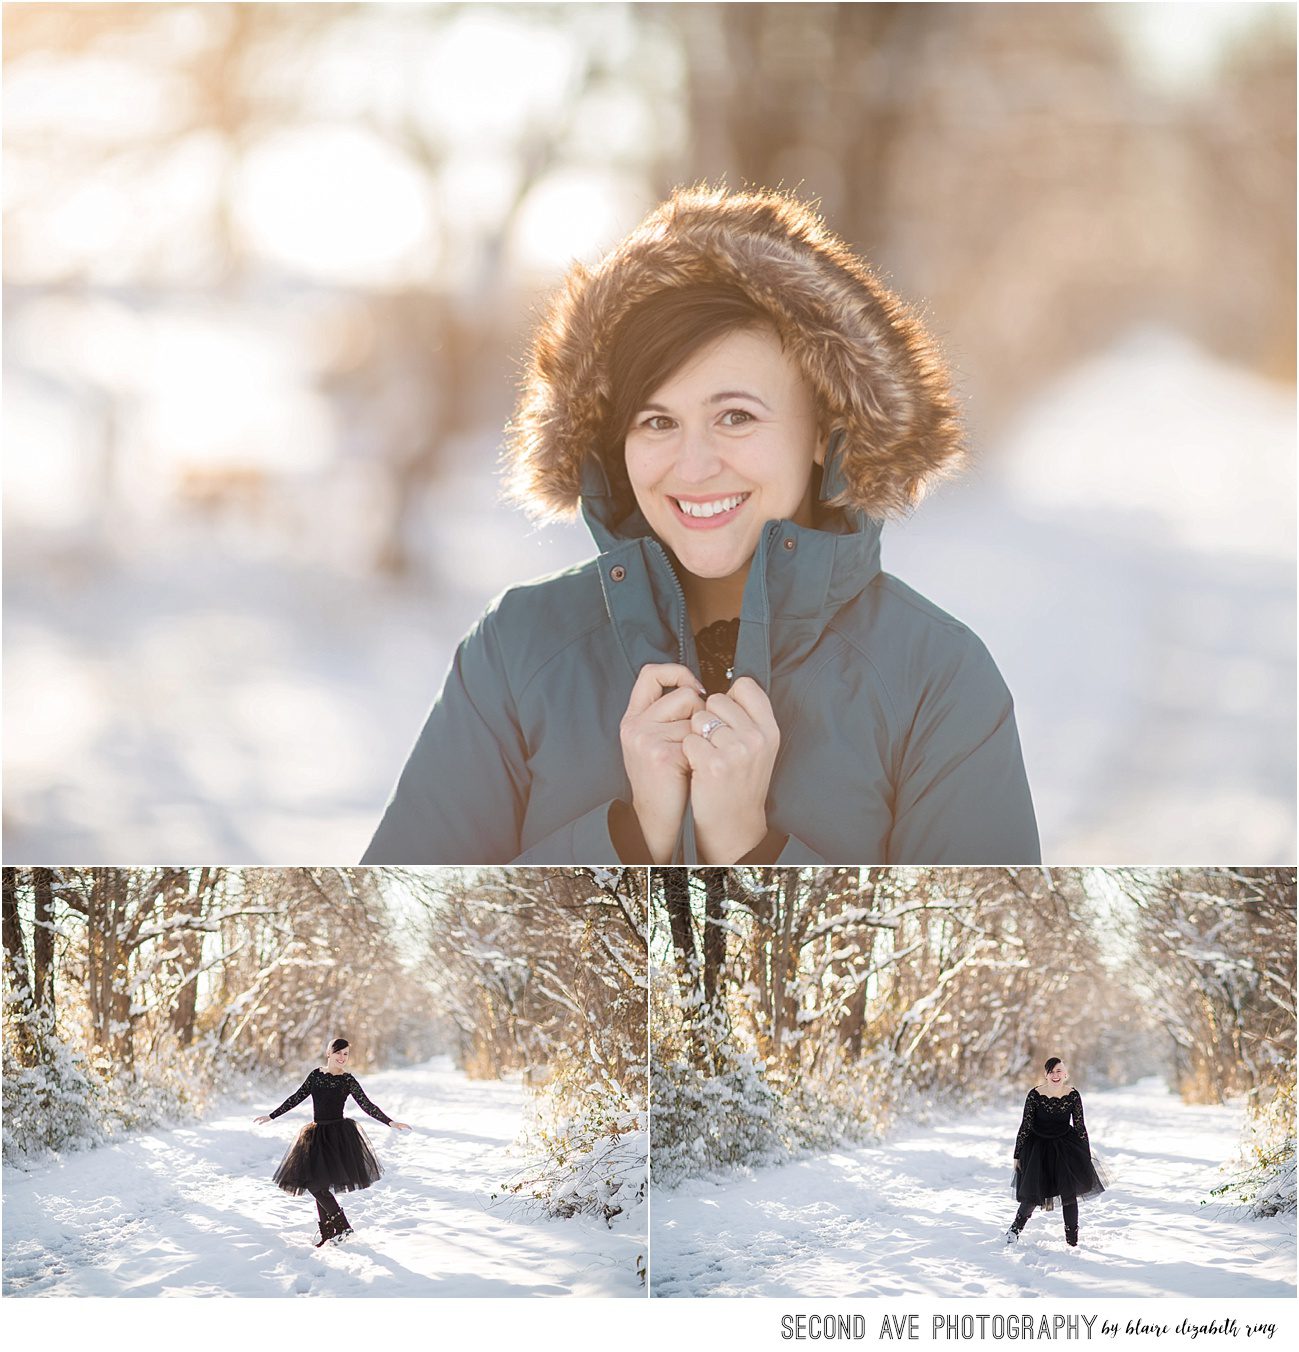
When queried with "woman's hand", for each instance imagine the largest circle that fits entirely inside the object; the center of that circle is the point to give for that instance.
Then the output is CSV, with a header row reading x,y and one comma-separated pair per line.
x,y
400,1126
257,1121
730,770
652,731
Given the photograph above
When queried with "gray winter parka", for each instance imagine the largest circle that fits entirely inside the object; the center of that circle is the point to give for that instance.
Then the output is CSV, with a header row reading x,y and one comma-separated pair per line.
x,y
898,740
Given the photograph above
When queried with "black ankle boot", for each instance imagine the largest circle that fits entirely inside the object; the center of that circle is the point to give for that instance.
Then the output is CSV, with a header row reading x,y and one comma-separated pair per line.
x,y
333,1228
1071,1237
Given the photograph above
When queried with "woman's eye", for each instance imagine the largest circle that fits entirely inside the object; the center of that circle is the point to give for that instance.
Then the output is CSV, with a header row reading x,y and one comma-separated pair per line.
x,y
736,417
657,422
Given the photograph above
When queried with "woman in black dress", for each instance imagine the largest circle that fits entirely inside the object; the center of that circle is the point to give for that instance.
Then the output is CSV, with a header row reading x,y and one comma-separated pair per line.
x,y
330,1154
1053,1160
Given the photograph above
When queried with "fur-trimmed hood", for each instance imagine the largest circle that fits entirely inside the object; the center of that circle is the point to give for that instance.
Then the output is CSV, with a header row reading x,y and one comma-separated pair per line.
x,y
873,365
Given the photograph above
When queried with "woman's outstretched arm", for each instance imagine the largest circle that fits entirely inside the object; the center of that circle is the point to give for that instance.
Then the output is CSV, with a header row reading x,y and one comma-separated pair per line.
x,y
291,1102
354,1088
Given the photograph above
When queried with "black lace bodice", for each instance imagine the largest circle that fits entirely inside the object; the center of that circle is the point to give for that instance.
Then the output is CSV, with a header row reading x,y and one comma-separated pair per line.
x,y
715,648
1050,1117
329,1095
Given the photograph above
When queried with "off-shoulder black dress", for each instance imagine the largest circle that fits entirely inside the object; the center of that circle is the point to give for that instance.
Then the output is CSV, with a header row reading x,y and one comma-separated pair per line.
x,y
330,1154
1055,1160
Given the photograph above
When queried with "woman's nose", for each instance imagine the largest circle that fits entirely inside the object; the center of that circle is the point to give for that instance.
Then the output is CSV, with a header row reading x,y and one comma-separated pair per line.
x,y
697,457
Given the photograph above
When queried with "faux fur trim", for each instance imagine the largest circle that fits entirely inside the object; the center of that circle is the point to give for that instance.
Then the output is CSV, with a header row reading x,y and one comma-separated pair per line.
x,y
869,358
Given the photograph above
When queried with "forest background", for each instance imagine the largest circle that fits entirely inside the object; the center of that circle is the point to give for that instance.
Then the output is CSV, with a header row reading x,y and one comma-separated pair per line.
x,y
134,997
794,1009
268,275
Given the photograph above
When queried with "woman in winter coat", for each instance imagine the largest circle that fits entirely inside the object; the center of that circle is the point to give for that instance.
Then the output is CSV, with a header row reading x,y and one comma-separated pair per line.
x,y
1053,1160
331,1153
734,402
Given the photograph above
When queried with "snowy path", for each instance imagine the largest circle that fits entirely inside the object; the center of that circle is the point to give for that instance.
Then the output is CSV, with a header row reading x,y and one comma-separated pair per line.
x,y
192,1211
926,1213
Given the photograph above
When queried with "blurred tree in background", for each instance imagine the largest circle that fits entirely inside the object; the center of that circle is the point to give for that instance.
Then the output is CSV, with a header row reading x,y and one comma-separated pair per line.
x,y
1012,164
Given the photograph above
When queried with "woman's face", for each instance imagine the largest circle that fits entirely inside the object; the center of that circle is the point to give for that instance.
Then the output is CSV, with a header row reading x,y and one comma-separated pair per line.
x,y
337,1061
724,445
1057,1075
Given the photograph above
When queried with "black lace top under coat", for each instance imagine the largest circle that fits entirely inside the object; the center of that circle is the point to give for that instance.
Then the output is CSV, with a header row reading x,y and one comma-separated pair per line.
x,y
715,646
329,1095
1051,1117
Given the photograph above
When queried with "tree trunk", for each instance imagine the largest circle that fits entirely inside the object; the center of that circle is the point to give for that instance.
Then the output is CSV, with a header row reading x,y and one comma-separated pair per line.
x,y
184,1009
15,949
714,934
43,939
676,901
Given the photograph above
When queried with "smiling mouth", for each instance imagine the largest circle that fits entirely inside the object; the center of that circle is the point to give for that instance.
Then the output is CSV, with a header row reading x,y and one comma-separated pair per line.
x,y
708,508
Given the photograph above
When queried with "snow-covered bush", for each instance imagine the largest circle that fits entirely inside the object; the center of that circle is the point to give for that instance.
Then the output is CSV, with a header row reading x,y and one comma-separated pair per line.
x,y
586,1144
58,1097
53,1097
60,1094
700,1123
843,1099
1264,1175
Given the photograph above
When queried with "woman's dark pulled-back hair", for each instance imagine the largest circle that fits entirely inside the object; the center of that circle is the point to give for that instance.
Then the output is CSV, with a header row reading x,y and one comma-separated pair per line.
x,y
338,1044
658,336
1051,1063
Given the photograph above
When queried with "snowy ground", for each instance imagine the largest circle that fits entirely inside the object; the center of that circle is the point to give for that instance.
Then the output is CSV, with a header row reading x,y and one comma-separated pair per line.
x,y
192,1211
926,1214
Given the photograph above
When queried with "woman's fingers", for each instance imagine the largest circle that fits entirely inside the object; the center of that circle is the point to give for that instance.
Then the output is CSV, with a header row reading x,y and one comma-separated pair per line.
x,y
655,678
676,704
752,698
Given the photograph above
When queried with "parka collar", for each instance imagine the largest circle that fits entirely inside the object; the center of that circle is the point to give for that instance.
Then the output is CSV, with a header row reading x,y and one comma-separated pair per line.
x,y
798,578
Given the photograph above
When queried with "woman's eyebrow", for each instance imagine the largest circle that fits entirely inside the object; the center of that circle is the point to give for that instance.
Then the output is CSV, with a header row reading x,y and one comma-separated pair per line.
x,y
723,395
719,398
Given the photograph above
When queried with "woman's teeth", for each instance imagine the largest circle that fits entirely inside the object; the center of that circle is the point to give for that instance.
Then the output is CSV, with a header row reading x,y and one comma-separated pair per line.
x,y
713,508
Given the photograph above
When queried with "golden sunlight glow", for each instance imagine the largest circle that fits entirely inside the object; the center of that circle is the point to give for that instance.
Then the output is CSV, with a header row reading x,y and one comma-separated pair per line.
x,y
339,203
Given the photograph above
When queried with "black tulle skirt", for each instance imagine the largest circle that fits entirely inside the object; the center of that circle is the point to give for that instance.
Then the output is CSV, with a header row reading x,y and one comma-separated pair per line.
x,y
1056,1168
328,1157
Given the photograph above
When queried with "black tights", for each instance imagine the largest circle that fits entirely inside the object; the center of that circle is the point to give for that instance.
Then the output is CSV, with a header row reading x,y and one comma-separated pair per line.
x,y
326,1205
1068,1208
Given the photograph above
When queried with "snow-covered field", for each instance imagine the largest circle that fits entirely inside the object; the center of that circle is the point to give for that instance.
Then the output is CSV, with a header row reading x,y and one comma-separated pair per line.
x,y
926,1214
192,1211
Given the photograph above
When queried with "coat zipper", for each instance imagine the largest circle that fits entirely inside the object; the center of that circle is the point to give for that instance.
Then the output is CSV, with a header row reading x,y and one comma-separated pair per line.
x,y
681,610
